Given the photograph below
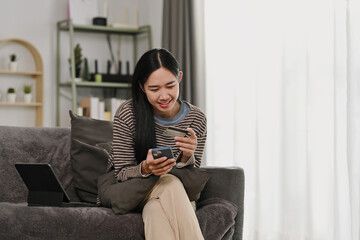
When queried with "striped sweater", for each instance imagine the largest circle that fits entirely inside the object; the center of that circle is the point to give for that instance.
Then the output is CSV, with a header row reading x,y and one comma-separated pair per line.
x,y
122,154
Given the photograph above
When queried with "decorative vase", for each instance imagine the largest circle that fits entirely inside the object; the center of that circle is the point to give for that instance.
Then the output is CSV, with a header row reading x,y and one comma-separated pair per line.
x,y
13,66
11,97
27,97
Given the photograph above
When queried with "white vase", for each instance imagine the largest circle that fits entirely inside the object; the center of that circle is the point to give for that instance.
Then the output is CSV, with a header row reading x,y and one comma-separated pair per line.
x,y
27,97
13,66
11,97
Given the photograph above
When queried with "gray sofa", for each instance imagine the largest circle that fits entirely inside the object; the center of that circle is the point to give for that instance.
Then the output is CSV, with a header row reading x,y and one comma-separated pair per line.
x,y
220,207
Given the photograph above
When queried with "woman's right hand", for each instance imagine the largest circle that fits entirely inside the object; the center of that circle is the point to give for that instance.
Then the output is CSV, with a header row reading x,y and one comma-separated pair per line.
x,y
159,166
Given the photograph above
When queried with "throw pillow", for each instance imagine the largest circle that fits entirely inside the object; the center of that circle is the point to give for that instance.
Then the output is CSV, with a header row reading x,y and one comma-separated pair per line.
x,y
123,197
88,160
193,179
106,146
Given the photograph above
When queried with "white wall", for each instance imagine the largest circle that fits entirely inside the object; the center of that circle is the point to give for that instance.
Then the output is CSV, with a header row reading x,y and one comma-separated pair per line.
x,y
35,21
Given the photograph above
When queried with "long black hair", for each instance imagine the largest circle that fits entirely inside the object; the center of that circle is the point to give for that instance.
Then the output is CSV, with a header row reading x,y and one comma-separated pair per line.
x,y
144,114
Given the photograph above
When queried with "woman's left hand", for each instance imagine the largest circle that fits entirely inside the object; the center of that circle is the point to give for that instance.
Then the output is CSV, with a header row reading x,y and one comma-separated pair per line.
x,y
187,144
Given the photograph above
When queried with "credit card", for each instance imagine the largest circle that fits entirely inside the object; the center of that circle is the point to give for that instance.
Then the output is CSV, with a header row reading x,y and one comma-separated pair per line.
x,y
175,132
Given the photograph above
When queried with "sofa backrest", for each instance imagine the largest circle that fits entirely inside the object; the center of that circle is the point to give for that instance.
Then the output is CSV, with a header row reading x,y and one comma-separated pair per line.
x,y
33,145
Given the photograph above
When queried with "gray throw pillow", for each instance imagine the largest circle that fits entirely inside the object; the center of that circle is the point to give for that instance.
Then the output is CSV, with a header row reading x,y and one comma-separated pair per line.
x,y
88,160
193,179
123,197
106,146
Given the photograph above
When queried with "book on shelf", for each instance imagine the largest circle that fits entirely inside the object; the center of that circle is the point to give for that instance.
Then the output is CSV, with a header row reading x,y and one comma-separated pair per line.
x,y
112,104
90,107
103,109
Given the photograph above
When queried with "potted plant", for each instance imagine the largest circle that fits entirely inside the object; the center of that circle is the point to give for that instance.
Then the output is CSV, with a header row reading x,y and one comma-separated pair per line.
x,y
78,60
13,62
27,93
11,95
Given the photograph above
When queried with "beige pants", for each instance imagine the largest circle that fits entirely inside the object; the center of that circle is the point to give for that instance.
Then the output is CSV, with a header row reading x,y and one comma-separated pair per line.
x,y
168,213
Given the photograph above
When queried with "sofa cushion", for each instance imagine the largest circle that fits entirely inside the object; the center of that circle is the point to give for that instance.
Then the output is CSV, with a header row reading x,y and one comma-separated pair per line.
x,y
18,221
217,218
88,159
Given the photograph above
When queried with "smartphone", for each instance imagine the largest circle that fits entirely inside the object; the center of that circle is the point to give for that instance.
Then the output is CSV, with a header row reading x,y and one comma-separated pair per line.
x,y
175,132
162,151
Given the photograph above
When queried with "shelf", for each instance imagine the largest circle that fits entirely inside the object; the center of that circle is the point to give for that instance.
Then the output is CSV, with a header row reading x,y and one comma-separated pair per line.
x,y
96,84
21,73
21,104
67,25
37,75
103,29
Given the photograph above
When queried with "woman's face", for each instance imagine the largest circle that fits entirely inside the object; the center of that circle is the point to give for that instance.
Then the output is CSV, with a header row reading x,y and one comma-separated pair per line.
x,y
162,91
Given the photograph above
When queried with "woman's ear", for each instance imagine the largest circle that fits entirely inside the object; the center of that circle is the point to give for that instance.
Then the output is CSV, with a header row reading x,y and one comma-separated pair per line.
x,y
180,76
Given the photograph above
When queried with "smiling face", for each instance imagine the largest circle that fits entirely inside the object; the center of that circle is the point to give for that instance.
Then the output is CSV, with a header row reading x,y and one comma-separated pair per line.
x,y
162,91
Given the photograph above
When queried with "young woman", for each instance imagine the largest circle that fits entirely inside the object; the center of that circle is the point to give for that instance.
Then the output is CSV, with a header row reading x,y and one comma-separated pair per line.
x,y
139,126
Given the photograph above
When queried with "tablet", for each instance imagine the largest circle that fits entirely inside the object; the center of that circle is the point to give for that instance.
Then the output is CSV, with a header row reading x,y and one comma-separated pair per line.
x,y
44,187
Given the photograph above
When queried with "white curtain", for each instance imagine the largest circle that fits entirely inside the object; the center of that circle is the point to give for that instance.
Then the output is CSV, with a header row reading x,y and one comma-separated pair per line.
x,y
283,102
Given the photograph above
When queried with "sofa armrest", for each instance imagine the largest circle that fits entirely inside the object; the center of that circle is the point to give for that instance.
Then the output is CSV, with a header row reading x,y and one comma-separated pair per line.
x,y
227,183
